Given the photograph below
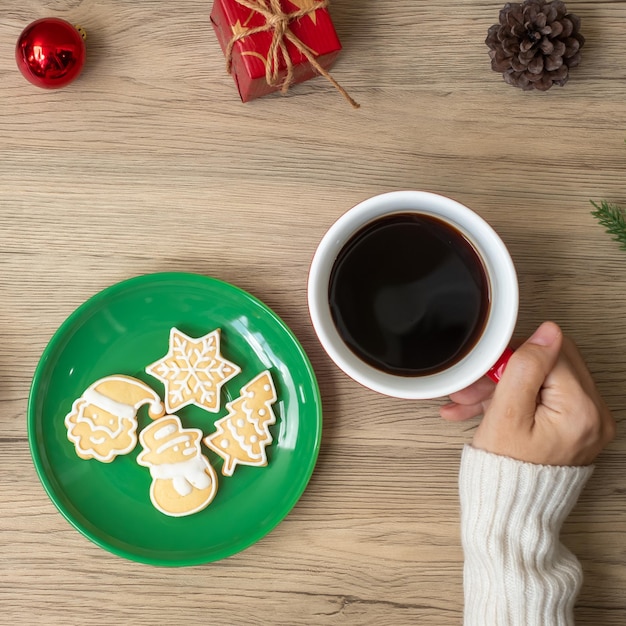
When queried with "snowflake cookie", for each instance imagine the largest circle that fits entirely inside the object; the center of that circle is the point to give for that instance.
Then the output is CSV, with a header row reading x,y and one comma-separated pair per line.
x,y
193,371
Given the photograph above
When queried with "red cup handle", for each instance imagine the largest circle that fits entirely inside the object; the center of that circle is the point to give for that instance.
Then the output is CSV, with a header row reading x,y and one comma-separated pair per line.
x,y
495,373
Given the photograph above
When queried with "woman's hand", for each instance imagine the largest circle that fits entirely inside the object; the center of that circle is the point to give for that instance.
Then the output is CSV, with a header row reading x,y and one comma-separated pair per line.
x,y
545,409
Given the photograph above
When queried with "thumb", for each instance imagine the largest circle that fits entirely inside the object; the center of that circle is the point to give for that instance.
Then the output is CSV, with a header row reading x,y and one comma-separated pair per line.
x,y
516,394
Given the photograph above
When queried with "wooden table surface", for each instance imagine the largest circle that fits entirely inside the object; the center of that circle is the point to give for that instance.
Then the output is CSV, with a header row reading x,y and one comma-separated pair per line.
x,y
149,162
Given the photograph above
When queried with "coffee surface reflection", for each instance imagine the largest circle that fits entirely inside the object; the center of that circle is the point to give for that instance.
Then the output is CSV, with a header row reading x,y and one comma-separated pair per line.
x,y
409,294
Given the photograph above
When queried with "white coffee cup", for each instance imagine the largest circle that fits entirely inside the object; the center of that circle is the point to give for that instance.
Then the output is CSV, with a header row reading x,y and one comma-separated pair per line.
x,y
489,351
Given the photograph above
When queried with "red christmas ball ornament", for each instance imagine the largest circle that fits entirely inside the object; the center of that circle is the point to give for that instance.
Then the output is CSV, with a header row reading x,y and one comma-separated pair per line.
x,y
51,52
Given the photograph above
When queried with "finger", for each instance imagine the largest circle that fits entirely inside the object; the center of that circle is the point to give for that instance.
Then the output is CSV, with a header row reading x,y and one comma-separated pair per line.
x,y
477,392
570,349
572,374
516,342
515,396
572,353
453,412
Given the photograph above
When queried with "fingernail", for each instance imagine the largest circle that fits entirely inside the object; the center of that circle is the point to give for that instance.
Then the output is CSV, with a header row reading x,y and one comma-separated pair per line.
x,y
545,335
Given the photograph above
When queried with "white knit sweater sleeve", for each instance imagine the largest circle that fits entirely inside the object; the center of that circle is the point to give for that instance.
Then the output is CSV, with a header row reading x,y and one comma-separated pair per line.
x,y
516,572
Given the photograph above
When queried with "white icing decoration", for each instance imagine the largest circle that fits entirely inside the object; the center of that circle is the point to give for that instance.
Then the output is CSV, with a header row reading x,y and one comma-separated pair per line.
x,y
172,443
242,443
170,429
181,485
108,404
108,432
184,474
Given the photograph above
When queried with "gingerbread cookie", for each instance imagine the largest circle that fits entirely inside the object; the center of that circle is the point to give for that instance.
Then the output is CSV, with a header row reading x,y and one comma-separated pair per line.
x,y
193,371
103,421
242,435
183,481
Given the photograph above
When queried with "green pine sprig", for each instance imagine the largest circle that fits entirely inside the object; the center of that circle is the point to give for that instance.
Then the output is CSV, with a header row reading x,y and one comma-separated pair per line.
x,y
613,219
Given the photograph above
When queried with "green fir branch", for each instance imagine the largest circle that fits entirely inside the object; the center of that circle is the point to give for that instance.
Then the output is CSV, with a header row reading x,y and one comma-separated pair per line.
x,y
613,219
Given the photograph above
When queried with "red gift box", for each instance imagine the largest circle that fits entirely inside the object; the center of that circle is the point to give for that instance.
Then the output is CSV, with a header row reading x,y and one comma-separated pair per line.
x,y
250,53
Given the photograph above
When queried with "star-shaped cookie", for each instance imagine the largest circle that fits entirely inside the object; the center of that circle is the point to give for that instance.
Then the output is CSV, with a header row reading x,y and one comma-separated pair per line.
x,y
193,371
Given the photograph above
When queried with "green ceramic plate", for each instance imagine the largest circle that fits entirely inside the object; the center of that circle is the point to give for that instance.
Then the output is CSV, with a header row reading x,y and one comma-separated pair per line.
x,y
123,329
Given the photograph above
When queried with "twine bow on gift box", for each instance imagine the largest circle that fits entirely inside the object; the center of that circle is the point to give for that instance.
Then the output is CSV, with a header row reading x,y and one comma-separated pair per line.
x,y
277,21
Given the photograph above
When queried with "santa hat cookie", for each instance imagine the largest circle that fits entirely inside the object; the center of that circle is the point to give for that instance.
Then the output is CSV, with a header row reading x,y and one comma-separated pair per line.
x,y
103,421
183,481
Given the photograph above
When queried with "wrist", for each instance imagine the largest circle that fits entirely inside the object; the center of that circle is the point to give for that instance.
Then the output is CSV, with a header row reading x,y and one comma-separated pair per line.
x,y
507,500
515,566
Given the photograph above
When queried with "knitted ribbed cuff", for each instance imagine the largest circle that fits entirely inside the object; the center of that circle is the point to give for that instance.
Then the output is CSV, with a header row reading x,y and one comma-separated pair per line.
x,y
516,571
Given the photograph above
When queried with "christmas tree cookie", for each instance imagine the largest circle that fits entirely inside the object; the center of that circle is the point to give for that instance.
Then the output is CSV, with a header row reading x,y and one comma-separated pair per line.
x,y
102,423
183,481
243,434
193,371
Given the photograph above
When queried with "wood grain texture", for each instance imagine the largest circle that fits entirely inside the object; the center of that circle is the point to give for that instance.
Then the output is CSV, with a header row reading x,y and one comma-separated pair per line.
x,y
149,162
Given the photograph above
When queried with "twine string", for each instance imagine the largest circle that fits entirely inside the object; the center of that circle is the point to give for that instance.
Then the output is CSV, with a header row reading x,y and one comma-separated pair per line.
x,y
277,21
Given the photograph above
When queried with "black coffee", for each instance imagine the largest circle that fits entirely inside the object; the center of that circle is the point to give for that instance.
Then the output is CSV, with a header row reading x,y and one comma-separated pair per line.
x,y
409,294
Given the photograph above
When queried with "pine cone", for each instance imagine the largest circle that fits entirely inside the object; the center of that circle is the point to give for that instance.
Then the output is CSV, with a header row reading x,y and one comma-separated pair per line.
x,y
535,44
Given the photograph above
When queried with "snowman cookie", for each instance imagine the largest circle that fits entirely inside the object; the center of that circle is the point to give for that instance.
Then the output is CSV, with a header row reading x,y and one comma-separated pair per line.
x,y
102,423
183,481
